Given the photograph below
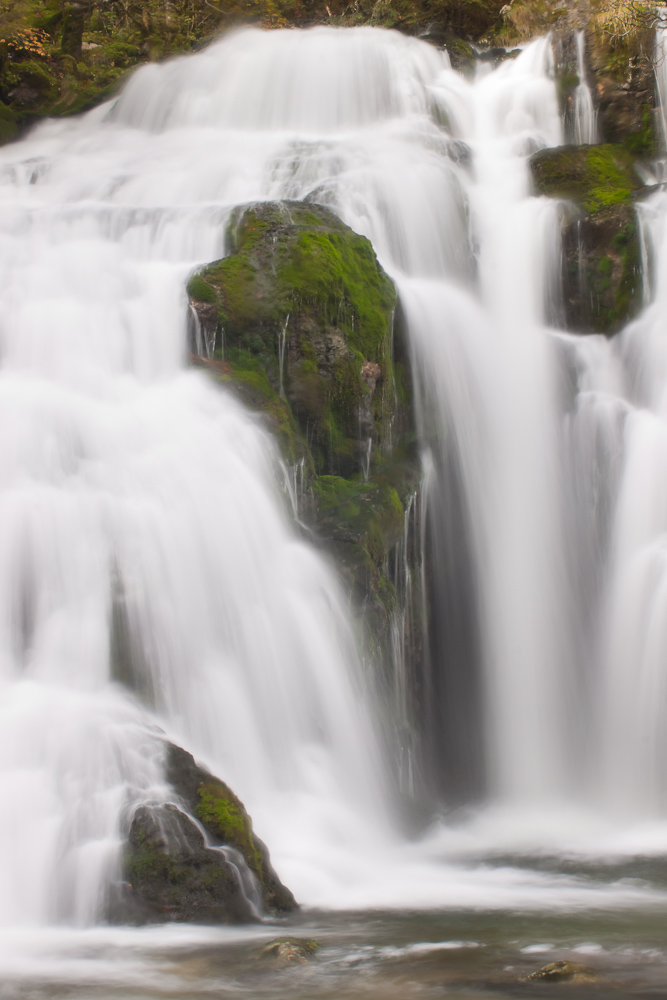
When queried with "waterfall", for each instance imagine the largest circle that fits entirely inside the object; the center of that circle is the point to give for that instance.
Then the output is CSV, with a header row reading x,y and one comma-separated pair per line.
x,y
661,77
585,116
151,582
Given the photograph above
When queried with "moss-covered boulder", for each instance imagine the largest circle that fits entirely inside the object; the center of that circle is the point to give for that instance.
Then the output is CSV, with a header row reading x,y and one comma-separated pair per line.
x,y
601,260
303,305
224,817
171,872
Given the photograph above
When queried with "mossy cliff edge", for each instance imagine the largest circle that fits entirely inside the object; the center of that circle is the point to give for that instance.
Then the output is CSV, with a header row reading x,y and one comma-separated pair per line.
x,y
301,318
172,873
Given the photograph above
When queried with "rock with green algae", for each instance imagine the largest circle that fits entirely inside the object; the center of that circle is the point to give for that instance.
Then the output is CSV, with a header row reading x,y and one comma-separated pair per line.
x,y
302,304
224,817
601,260
172,873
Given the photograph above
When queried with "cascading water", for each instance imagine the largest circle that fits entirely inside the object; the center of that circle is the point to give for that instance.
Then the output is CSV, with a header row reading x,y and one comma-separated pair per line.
x,y
149,578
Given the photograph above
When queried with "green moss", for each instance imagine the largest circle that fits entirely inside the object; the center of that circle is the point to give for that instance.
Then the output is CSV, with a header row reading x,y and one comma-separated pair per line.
x,y
299,281
594,176
605,266
146,863
644,143
225,817
200,290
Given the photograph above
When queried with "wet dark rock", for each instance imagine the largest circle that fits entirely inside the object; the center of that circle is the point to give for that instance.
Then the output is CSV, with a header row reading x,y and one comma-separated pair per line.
x,y
172,875
196,860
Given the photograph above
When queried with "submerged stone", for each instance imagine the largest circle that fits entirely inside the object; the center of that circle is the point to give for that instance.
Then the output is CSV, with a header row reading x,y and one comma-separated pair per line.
x,y
563,972
289,951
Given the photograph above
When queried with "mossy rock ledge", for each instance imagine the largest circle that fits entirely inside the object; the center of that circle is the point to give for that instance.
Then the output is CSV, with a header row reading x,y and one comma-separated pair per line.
x,y
173,874
602,279
301,315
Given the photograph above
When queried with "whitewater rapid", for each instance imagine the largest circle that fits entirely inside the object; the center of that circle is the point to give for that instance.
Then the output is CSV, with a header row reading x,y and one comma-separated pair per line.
x,y
151,581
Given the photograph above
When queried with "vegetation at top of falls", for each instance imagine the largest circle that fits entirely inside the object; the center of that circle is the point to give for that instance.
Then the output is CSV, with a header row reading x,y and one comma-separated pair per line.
x,y
59,57
593,176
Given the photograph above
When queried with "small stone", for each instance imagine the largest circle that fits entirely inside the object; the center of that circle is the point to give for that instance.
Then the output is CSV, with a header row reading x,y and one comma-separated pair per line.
x,y
289,951
564,972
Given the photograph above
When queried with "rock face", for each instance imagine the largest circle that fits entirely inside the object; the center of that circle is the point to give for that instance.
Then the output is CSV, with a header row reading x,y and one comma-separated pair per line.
x,y
172,873
601,260
624,85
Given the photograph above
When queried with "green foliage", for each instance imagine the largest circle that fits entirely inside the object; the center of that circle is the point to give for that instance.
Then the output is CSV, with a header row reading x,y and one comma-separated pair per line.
x,y
200,290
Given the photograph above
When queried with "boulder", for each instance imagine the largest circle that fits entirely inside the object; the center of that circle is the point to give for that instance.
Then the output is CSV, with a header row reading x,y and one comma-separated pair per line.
x,y
224,817
197,859
172,875
602,281
304,315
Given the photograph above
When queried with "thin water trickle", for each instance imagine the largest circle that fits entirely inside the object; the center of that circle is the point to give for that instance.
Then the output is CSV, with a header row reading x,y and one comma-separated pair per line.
x,y
585,115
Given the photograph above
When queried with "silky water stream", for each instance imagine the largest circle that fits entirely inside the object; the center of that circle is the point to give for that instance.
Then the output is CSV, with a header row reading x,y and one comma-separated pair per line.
x,y
138,500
